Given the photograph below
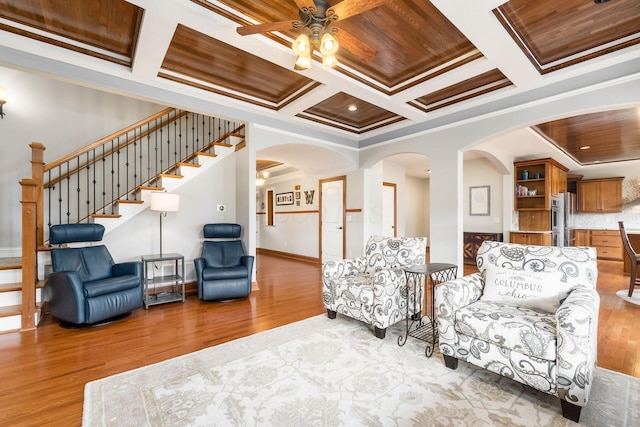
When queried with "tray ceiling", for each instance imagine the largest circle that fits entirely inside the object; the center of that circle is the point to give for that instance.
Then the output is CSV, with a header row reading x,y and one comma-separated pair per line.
x,y
431,59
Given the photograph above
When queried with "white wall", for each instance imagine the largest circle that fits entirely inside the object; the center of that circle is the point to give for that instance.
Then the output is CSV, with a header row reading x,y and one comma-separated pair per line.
x,y
481,172
63,117
295,229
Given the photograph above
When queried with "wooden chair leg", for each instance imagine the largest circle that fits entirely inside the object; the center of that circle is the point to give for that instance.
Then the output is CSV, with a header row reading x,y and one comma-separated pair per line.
x,y
632,278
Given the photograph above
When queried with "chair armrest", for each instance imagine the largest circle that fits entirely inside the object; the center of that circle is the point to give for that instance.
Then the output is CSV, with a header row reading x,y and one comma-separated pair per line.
x,y
127,268
577,326
336,270
248,261
449,298
65,293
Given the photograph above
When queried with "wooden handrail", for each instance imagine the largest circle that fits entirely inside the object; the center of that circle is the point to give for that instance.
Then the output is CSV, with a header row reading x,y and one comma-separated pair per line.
x,y
98,143
70,172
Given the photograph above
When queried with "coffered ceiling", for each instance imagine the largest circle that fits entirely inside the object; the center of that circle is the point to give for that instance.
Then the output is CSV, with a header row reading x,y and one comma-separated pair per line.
x,y
401,64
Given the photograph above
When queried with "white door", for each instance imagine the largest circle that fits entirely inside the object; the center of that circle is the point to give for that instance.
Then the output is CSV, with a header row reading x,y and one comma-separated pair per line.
x,y
389,210
332,217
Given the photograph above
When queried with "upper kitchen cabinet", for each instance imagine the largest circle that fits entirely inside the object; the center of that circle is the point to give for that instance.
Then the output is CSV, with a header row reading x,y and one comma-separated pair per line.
x,y
600,195
535,181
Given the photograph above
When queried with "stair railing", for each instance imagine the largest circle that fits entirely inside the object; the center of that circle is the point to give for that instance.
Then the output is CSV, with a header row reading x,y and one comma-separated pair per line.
x,y
91,180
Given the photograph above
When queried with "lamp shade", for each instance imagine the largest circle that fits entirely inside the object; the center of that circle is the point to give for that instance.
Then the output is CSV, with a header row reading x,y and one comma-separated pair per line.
x,y
328,45
165,202
302,45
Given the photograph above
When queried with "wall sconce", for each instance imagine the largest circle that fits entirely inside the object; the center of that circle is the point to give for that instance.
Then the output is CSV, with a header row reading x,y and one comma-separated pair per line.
x,y
3,100
164,202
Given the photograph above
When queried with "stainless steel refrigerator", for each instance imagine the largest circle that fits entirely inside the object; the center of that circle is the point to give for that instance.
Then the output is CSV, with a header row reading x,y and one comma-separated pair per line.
x,y
563,209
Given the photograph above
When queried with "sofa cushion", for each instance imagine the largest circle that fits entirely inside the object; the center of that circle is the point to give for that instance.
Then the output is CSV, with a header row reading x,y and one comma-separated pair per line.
x,y
529,332
537,290
221,273
110,285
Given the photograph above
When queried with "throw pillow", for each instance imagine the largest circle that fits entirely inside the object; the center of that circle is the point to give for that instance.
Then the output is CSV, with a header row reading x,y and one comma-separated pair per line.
x,y
536,290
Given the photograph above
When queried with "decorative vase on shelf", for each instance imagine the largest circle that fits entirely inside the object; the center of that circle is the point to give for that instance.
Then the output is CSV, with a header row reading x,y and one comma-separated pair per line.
x,y
525,174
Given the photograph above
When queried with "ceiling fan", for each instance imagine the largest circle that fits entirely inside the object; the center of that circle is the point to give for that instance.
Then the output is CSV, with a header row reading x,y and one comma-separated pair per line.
x,y
316,16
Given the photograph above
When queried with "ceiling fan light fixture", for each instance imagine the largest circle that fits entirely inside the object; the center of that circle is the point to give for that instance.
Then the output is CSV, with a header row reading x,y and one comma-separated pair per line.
x,y
328,44
329,61
302,46
303,62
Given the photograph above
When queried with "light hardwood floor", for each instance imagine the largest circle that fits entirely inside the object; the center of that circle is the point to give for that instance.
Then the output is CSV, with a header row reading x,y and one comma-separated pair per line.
x,y
43,373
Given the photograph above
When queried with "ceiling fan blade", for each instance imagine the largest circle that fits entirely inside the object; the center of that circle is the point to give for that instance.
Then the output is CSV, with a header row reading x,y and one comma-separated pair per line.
x,y
265,28
348,8
355,45
305,4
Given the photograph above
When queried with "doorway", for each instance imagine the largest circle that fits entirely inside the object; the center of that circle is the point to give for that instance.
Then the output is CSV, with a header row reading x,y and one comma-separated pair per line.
x,y
332,218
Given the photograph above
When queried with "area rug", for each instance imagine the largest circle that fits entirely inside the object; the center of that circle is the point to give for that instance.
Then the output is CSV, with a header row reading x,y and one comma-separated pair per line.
x,y
323,372
633,299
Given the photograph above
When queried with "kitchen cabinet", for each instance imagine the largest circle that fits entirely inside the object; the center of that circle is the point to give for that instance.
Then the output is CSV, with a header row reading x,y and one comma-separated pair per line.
x,y
473,241
535,181
608,244
524,238
583,238
600,195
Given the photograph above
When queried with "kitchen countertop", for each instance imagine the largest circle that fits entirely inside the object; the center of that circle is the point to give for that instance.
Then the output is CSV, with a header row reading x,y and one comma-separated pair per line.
x,y
531,231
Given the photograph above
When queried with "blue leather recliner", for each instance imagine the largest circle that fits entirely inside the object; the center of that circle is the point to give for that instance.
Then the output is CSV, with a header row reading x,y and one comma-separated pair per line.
x,y
86,286
224,272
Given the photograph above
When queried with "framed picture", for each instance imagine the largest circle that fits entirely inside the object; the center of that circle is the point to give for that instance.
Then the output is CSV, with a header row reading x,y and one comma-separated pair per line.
x,y
284,198
480,200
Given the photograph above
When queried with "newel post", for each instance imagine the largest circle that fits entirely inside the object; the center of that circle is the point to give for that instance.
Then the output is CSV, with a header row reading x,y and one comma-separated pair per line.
x,y
29,272
37,173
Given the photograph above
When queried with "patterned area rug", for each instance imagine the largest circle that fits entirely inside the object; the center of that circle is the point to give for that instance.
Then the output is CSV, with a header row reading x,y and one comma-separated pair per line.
x,y
322,372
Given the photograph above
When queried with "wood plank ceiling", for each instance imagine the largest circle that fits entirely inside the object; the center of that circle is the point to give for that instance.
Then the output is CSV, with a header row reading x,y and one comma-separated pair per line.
x,y
423,64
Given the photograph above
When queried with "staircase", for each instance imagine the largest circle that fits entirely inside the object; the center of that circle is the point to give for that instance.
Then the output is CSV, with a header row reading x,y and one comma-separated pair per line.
x,y
20,311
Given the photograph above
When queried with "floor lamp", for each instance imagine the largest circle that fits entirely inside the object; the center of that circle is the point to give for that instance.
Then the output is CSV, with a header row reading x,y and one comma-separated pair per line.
x,y
164,202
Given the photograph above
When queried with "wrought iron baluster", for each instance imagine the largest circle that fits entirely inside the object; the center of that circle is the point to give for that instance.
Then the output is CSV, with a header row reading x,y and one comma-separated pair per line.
x,y
112,170
104,177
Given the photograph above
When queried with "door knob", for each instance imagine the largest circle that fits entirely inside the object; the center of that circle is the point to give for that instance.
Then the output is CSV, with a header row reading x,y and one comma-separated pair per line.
x,y
339,228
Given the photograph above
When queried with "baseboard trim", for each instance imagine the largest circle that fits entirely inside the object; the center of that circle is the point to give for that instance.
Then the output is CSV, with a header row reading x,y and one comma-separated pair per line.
x,y
288,255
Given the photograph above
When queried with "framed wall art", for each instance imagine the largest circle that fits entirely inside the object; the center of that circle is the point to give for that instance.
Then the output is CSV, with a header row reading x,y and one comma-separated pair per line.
x,y
480,200
284,198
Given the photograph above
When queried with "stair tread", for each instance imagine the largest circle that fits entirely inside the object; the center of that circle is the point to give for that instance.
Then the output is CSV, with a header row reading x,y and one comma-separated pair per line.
x,y
202,153
150,188
16,310
17,286
133,202
10,263
105,216
191,165
170,175
10,310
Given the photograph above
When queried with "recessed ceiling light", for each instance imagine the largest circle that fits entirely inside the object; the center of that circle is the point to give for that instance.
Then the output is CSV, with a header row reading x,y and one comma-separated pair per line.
x,y
353,108
585,147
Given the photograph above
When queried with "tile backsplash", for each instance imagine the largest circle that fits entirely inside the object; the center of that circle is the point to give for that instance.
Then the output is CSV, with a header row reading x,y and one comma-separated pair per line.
x,y
630,216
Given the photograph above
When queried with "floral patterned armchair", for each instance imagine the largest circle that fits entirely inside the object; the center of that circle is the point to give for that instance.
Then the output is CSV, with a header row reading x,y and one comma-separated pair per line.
x,y
373,288
547,341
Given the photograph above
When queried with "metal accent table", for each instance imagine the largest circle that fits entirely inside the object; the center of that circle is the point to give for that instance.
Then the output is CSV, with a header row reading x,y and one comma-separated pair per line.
x,y
423,327
175,280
